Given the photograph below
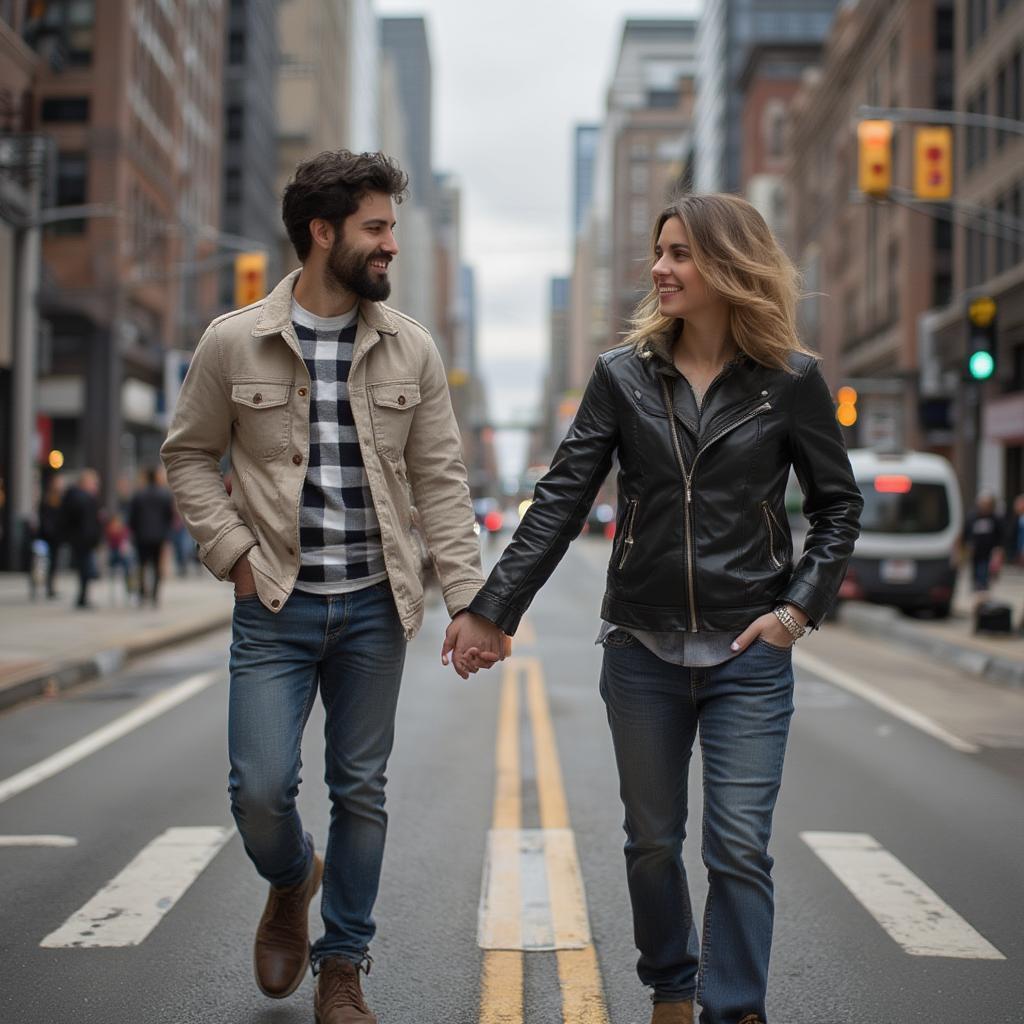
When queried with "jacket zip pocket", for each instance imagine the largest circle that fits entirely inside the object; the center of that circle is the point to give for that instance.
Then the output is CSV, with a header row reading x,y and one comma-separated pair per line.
x,y
769,522
627,528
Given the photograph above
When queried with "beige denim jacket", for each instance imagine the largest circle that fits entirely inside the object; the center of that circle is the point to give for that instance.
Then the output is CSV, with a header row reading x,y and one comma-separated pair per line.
x,y
248,389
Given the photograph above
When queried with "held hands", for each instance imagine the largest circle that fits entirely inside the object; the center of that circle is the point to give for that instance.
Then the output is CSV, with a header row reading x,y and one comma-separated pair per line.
x,y
473,643
770,629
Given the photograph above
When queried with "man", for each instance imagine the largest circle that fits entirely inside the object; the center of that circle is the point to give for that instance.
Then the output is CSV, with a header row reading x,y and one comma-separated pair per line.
x,y
82,529
984,533
337,412
150,516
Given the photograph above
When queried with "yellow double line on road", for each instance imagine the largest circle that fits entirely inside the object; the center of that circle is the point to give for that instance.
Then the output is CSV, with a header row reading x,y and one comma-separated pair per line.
x,y
503,931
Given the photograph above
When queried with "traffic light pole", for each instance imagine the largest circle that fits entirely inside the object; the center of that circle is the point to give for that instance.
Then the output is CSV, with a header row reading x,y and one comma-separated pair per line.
x,y
914,115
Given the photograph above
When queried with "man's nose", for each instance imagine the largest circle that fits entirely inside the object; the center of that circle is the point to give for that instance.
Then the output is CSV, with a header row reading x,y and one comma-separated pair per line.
x,y
390,244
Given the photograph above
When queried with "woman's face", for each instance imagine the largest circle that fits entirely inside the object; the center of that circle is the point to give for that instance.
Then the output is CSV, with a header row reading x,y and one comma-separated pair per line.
x,y
681,290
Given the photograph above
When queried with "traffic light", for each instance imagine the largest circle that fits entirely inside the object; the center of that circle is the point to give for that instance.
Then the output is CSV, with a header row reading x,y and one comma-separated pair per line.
x,y
933,163
250,277
874,140
981,338
846,410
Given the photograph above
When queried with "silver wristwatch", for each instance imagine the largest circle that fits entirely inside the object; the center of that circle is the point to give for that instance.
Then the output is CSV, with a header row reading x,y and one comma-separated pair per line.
x,y
783,614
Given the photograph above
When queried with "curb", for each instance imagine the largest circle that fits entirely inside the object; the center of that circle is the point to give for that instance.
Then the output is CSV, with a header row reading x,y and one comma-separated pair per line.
x,y
874,620
55,677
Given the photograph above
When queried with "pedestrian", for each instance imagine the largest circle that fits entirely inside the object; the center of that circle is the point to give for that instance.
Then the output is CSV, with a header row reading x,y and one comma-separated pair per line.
x,y
49,528
150,517
983,534
1014,543
81,525
708,404
119,556
337,412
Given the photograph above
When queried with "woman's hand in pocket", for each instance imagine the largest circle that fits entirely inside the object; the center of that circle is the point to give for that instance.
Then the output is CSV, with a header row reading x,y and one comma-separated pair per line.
x,y
768,628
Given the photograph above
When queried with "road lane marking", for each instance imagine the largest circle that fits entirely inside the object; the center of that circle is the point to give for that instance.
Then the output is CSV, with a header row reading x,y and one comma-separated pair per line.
x,y
131,905
881,700
911,912
38,841
533,890
152,708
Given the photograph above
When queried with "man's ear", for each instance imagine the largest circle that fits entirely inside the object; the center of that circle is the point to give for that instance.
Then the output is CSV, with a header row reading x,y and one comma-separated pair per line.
x,y
322,233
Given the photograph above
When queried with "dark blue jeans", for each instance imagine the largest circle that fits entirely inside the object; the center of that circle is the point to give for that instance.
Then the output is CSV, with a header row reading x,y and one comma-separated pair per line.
x,y
741,710
351,647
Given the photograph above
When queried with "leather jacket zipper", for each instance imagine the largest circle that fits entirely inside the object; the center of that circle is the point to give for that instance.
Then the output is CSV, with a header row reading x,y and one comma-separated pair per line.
x,y
688,482
769,522
627,527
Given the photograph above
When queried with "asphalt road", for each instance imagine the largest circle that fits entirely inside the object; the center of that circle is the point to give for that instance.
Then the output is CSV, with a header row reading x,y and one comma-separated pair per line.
x,y
951,822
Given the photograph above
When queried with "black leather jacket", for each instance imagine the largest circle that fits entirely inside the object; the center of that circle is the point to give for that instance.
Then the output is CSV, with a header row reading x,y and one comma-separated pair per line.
x,y
702,541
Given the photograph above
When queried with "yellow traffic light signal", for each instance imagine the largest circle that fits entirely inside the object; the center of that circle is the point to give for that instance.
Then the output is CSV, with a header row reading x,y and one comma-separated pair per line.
x,y
874,139
250,277
933,163
846,411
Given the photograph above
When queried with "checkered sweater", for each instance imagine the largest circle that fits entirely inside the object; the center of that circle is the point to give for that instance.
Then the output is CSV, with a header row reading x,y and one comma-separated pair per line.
x,y
338,529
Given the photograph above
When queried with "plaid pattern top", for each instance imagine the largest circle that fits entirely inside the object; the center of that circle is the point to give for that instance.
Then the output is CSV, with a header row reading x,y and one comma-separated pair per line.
x,y
338,529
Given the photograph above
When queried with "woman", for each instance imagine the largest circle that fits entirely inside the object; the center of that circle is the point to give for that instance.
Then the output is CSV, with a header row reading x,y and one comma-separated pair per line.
x,y
707,407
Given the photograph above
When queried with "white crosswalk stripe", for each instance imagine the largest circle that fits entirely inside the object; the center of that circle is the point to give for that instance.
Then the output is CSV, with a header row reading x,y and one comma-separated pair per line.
x,y
131,905
911,912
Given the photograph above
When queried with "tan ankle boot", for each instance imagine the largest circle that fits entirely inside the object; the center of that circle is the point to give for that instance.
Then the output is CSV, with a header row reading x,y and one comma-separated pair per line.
x,y
338,998
672,1013
281,952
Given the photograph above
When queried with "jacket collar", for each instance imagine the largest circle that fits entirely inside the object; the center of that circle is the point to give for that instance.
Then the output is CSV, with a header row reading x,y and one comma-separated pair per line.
x,y
276,313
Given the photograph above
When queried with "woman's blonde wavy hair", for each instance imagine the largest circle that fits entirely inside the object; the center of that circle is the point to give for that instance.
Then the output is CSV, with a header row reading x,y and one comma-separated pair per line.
x,y
739,258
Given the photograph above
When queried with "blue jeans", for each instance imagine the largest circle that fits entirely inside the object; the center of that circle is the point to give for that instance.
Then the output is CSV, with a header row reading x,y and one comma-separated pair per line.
x,y
741,710
352,648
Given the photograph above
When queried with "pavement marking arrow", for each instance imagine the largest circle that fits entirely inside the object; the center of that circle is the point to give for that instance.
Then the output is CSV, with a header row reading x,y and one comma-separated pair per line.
x,y
911,912
152,708
131,905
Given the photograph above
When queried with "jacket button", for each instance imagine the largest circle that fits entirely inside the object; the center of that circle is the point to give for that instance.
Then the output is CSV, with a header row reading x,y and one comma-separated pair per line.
x,y
257,398
401,399
302,392
291,551
637,393
275,603
297,459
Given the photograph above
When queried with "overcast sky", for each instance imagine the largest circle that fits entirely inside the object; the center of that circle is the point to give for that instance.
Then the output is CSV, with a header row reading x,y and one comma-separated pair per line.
x,y
510,82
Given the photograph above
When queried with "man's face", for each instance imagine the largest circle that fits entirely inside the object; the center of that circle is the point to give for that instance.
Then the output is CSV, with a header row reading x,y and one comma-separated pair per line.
x,y
364,248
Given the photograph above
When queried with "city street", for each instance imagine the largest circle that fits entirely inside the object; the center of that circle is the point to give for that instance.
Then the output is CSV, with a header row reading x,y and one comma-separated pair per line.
x,y
898,842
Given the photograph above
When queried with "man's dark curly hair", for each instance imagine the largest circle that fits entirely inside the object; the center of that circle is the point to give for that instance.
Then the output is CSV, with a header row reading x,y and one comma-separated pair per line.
x,y
331,186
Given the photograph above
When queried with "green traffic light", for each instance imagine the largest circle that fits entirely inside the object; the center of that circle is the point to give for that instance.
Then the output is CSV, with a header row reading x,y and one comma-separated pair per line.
x,y
981,365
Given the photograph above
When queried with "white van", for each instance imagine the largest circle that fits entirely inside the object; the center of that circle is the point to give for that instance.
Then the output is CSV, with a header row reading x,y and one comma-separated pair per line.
x,y
912,519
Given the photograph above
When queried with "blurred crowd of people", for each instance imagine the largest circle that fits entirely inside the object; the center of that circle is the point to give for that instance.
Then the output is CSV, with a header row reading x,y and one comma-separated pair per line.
x,y
128,543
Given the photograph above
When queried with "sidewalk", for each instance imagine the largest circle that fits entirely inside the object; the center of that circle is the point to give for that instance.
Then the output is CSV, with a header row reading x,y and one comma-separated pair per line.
x,y
48,646
998,659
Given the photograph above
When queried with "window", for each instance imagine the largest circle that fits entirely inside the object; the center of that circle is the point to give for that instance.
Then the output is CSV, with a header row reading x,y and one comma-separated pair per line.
x,y
923,509
236,48
233,185
639,221
234,120
72,190
639,178
1002,102
69,24
894,284
66,109
1015,86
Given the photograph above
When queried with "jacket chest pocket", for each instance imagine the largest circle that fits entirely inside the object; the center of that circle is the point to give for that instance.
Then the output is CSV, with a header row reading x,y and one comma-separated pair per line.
x,y
262,417
391,410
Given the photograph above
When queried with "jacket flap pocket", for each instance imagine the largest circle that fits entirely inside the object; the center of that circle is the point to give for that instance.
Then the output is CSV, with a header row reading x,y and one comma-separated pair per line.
x,y
396,396
260,396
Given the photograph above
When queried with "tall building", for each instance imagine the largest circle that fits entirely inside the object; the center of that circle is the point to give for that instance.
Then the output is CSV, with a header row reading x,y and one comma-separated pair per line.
x,y
327,85
988,254
251,205
130,92
586,139
872,267
643,159
729,29
556,385
405,40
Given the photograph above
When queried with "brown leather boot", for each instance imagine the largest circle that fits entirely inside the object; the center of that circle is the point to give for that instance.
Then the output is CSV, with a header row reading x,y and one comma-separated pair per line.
x,y
281,953
338,998
751,1018
672,1013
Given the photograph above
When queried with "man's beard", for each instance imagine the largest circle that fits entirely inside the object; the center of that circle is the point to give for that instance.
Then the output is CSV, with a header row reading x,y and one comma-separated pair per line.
x,y
350,269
